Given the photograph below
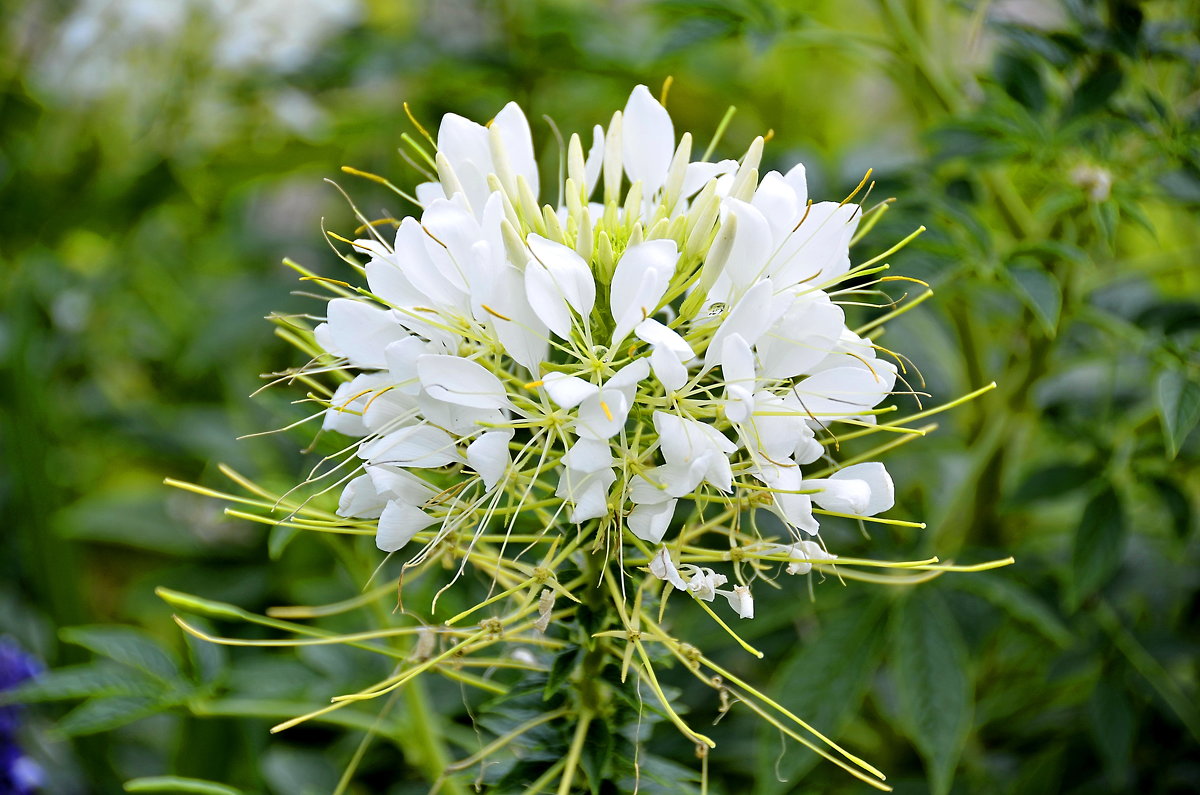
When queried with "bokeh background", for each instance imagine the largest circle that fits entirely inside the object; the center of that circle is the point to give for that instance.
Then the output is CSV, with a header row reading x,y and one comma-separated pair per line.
x,y
158,159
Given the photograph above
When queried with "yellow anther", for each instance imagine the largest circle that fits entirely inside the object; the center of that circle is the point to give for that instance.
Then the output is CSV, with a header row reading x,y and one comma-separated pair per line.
x,y
324,279
534,384
607,411
421,129
666,89
770,134
491,311
902,279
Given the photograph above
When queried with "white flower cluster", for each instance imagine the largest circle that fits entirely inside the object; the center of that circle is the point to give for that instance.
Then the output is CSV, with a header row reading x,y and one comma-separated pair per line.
x,y
664,334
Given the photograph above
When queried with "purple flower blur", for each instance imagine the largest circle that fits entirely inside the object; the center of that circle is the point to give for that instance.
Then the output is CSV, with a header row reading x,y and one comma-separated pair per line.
x,y
19,775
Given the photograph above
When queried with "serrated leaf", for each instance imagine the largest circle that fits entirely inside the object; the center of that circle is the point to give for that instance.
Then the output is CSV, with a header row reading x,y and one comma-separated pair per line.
x,y
849,643
1099,544
82,681
561,668
179,784
934,688
1020,603
597,751
126,645
1040,292
103,714
1178,407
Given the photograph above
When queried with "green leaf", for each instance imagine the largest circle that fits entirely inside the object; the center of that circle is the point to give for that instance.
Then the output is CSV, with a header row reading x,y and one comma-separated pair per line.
x,y
1097,88
1055,480
934,688
82,681
1020,603
1039,290
1178,407
126,645
1099,544
103,714
597,751
1111,722
179,784
279,539
1177,505
562,667
849,643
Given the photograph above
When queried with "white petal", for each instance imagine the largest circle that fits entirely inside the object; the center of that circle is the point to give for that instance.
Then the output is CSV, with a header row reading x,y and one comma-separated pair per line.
x,y
360,499
521,331
547,299
648,489
465,145
698,174
802,337
684,440
776,200
841,496
875,475
752,245
401,358
398,524
602,415
819,250
749,318
555,278
797,179
568,391
793,508
461,381
589,455
421,446
639,282
399,485
650,522
361,331
344,414
660,335
570,272
647,140
428,192
587,492
737,367
628,377
518,143
669,371
844,391
489,456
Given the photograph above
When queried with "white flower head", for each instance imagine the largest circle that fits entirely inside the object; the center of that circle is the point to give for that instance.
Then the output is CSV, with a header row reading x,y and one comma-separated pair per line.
x,y
623,358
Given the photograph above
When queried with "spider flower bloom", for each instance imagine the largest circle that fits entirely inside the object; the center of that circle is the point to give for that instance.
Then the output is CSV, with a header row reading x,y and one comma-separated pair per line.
x,y
661,337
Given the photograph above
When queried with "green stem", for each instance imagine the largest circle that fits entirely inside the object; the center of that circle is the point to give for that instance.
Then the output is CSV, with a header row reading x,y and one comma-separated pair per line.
x,y
564,785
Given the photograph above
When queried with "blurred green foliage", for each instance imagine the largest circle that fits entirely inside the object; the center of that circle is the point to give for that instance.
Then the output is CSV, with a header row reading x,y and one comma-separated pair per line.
x,y
157,160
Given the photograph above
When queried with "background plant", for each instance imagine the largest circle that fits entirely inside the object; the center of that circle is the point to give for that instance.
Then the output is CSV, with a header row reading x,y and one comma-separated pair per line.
x,y
1052,154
